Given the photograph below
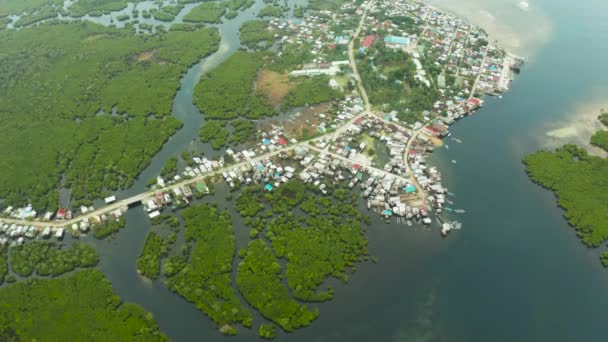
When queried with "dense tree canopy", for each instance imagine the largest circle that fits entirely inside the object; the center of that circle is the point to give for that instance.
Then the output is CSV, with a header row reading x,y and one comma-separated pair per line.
x,y
310,91
148,262
3,264
8,7
259,280
580,182
207,12
108,228
600,139
228,92
70,308
46,258
256,32
55,79
322,239
205,280
82,7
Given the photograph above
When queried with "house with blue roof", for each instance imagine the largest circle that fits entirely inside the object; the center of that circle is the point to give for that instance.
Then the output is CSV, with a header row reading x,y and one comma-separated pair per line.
x,y
342,40
395,42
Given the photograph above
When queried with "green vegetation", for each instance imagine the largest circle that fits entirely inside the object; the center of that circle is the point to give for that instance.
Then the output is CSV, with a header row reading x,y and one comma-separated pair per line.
x,y
56,77
271,11
8,7
176,262
600,139
247,203
205,280
389,78
34,17
325,5
173,9
254,33
603,118
580,183
293,56
267,331
108,228
82,7
215,131
47,259
70,308
185,27
148,262
4,22
167,219
207,12
244,130
162,15
318,236
604,259
310,91
169,170
326,240
3,264
299,12
259,281
228,92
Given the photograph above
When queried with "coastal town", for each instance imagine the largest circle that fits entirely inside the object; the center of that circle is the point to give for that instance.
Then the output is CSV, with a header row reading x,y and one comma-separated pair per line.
x,y
380,151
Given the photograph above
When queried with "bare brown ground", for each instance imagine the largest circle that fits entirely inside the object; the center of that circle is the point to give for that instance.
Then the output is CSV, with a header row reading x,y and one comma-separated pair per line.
x,y
145,56
274,85
306,122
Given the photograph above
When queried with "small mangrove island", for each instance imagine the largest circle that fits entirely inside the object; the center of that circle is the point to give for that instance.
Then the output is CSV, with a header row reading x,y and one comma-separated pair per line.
x,y
580,183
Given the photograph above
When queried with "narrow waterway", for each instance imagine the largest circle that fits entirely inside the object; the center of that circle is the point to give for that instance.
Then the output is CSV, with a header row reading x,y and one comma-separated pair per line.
x,y
515,272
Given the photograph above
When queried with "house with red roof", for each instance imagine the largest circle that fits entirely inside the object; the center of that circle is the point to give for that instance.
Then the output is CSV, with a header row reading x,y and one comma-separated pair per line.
x,y
473,103
368,41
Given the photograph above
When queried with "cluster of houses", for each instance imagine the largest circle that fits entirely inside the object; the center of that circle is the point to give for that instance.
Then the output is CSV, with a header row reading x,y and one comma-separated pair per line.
x,y
459,50
469,64
15,235
268,172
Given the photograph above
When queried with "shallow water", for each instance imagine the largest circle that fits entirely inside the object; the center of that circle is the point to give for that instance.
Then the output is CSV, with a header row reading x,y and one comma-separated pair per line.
x,y
515,272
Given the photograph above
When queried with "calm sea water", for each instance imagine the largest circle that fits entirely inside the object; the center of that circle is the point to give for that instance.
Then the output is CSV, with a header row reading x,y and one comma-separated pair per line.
x,y
515,272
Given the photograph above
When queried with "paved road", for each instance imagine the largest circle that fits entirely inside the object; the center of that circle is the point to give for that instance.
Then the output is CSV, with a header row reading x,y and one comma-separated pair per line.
x,y
150,194
483,63
364,165
353,62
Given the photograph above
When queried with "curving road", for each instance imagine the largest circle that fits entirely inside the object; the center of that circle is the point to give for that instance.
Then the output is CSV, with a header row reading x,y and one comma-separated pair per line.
x,y
150,194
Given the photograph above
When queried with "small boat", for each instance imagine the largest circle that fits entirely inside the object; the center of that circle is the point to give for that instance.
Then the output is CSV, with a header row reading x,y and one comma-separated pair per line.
x,y
457,140
448,209
451,194
447,147
449,202
445,229
453,161
460,211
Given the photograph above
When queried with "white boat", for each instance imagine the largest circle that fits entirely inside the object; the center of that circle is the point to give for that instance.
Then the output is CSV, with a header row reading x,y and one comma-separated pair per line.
x,y
453,161
460,211
445,229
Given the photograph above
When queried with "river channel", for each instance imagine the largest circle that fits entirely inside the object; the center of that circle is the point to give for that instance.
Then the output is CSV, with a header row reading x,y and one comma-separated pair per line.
x,y
515,272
